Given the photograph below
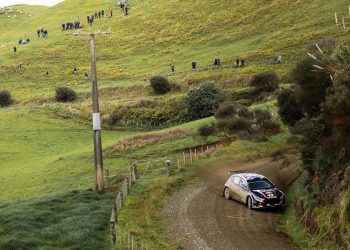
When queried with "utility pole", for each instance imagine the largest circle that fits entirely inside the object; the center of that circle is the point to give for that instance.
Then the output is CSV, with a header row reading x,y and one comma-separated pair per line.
x,y
96,120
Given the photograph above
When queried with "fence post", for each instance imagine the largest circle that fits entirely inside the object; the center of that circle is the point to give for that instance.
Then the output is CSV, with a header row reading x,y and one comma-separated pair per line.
x,y
169,167
107,177
138,244
136,173
195,153
129,180
191,156
112,227
184,157
178,163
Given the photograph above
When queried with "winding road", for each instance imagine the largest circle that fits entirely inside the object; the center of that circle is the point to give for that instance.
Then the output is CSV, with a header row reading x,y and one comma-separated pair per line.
x,y
200,218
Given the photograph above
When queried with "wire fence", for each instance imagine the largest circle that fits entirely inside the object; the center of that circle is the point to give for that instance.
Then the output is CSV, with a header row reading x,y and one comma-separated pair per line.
x,y
143,169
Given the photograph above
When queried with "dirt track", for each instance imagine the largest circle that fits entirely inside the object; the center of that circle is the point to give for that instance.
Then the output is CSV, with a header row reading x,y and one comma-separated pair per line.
x,y
200,218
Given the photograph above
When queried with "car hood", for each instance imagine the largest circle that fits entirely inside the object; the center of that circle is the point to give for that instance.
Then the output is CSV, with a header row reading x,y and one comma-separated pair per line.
x,y
268,193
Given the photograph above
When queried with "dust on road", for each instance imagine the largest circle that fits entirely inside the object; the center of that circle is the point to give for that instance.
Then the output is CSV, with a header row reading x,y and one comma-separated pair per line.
x,y
200,218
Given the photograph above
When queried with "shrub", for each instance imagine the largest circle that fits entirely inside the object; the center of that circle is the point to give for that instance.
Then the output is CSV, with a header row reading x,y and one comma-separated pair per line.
x,y
234,125
160,84
265,82
65,94
225,110
206,130
312,84
288,107
5,98
203,101
324,44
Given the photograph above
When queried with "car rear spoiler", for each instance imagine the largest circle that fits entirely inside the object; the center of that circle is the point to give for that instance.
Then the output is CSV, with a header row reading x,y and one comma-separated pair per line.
x,y
238,171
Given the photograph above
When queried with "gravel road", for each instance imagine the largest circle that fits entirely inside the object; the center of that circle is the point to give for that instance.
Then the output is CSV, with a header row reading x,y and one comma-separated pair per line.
x,y
200,218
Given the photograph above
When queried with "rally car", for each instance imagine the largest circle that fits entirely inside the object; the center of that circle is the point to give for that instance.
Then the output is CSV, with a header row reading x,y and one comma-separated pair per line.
x,y
254,190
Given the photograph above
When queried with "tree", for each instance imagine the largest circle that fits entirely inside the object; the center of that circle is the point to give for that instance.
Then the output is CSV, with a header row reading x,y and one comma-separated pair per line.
x,y
265,82
289,108
203,101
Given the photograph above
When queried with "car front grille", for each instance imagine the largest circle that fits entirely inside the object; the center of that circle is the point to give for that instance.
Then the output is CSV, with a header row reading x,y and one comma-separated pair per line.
x,y
272,201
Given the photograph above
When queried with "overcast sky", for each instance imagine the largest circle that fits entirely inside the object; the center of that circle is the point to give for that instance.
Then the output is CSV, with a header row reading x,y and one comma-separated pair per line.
x,y
4,3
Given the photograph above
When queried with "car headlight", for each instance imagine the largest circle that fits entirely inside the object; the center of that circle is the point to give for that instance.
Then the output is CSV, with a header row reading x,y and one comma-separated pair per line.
x,y
257,198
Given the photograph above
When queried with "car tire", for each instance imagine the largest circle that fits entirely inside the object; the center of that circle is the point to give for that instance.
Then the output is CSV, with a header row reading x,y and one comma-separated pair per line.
x,y
249,202
227,193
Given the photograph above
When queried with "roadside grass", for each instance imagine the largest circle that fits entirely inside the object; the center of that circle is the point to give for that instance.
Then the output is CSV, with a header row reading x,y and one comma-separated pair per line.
x,y
290,224
74,219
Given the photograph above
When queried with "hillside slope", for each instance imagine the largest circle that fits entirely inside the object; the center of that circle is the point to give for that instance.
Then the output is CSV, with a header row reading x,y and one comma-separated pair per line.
x,y
156,34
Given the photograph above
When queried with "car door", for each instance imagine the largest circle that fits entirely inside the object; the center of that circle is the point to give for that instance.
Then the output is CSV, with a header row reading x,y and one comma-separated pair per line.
x,y
235,187
242,190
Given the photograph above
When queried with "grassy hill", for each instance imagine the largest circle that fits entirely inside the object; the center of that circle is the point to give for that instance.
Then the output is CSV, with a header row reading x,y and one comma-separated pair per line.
x,y
46,147
156,34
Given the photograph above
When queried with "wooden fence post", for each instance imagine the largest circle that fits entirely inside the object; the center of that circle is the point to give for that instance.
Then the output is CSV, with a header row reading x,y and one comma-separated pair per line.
x,y
178,163
191,156
184,157
112,227
107,177
169,167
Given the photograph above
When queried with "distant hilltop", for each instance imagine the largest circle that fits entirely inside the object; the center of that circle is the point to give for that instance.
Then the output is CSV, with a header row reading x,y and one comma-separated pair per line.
x,y
9,10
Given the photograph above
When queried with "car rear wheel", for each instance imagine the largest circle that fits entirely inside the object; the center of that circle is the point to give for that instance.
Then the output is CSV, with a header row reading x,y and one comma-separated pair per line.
x,y
227,193
249,203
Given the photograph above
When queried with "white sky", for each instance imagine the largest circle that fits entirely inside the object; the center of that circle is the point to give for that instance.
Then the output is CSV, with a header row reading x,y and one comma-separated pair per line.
x,y
4,3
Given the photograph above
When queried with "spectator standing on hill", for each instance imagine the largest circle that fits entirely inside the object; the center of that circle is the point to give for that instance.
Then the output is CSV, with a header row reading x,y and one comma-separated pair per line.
x,y
75,71
172,67
88,19
63,26
126,10
38,32
242,63
103,12
99,14
86,75
110,13
194,65
14,49
95,14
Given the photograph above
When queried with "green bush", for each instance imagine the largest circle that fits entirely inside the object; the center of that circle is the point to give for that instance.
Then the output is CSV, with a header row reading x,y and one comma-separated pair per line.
x,y
206,130
312,84
65,94
160,84
5,98
225,110
289,108
203,101
265,82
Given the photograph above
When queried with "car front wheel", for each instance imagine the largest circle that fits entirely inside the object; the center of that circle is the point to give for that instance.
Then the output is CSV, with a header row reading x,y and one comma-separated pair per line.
x,y
227,193
249,203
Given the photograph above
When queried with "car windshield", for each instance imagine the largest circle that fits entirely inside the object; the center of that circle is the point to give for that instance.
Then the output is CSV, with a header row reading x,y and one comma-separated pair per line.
x,y
260,184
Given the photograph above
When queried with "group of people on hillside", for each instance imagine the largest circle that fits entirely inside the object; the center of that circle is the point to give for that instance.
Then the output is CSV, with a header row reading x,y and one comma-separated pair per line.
x,y
42,33
71,25
124,7
97,15
23,41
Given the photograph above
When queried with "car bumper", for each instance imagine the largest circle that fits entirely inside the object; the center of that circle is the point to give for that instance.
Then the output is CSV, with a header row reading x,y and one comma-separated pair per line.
x,y
266,205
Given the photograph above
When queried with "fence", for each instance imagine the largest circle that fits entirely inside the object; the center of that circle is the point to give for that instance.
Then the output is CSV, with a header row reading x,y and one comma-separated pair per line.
x,y
142,169
146,124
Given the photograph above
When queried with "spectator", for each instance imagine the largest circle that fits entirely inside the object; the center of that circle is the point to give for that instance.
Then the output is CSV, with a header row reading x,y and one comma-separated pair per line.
x,y
38,32
63,26
237,63
110,13
75,71
88,19
242,63
14,49
86,75
126,10
194,65
172,67
103,12
99,14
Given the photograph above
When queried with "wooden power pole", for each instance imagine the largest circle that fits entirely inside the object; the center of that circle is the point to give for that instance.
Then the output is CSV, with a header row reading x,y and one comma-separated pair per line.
x,y
96,120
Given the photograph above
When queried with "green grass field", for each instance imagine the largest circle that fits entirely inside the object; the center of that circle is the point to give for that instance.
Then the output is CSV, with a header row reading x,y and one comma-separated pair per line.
x,y
46,149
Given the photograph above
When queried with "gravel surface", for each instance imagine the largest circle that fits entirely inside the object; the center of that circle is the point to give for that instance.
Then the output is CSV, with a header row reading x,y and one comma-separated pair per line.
x,y
198,217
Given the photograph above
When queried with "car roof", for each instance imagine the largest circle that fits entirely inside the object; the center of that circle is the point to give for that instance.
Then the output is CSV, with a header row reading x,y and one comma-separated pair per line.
x,y
250,176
